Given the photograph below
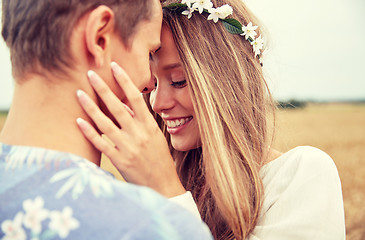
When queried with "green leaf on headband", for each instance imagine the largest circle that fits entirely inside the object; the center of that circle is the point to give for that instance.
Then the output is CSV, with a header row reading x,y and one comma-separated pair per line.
x,y
173,5
176,7
232,25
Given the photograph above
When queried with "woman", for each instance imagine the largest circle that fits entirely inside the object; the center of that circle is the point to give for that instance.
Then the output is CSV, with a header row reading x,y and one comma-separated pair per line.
x,y
213,104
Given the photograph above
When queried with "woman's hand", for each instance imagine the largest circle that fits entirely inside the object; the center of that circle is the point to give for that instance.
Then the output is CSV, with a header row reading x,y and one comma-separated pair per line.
x,y
141,152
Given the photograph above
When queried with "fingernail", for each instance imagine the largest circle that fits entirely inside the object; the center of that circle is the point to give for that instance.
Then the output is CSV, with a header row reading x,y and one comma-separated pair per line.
x,y
80,121
82,96
92,76
80,93
117,70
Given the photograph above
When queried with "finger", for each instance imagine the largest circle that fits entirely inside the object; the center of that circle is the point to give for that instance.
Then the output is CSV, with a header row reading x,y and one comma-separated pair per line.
x,y
114,105
132,93
92,135
104,123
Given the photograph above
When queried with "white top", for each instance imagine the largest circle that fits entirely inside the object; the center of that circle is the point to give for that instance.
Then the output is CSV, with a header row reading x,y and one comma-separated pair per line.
x,y
303,198
186,200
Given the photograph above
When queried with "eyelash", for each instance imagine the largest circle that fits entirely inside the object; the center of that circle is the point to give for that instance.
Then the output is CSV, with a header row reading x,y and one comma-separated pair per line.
x,y
179,84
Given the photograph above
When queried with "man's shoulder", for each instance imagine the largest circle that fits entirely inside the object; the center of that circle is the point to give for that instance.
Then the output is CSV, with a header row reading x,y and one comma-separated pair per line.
x,y
56,187
65,175
62,174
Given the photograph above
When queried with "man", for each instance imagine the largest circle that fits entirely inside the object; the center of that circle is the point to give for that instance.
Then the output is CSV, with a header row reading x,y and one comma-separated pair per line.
x,y
50,183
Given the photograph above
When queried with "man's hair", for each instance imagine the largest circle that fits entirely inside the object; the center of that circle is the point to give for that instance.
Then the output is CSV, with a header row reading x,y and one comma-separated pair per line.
x,y
38,32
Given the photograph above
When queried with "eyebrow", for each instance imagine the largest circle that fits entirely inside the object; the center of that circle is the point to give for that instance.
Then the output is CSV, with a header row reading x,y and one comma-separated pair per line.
x,y
172,66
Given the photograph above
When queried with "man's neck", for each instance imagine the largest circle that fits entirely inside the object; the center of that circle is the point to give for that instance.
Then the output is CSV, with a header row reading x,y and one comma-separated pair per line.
x,y
43,114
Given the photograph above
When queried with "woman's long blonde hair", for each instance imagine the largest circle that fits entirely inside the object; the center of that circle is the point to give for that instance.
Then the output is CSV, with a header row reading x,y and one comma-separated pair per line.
x,y
231,102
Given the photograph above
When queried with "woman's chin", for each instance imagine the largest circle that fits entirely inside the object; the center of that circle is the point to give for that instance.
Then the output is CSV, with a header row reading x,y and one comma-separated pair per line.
x,y
180,148
184,146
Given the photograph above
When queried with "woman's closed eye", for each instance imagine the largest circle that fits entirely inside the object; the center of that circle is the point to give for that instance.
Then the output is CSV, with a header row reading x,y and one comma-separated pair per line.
x,y
179,84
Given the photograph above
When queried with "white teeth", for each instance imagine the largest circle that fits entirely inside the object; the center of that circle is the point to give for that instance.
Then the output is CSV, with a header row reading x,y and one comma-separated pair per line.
x,y
177,123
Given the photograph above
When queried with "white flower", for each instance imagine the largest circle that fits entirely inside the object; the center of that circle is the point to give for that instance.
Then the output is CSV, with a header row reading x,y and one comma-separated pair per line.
x,y
13,229
257,45
249,31
188,2
34,214
63,222
202,4
225,11
213,15
261,60
221,12
188,12
262,56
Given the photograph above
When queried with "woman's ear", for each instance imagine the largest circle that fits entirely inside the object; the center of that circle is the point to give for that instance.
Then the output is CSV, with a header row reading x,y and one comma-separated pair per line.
x,y
99,28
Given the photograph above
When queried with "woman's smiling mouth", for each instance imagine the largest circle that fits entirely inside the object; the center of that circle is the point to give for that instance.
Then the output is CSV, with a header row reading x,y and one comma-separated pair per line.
x,y
176,125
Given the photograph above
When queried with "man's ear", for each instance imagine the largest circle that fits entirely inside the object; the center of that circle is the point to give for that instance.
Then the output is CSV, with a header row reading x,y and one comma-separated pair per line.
x,y
99,28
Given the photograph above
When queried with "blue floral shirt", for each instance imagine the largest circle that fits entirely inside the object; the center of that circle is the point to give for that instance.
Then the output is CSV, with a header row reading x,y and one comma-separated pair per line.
x,y
46,194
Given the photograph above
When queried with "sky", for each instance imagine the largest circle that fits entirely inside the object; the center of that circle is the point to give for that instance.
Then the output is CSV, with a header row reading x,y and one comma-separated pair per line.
x,y
315,50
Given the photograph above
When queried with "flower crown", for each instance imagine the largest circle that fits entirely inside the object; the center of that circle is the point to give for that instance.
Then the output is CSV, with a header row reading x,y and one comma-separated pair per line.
x,y
233,26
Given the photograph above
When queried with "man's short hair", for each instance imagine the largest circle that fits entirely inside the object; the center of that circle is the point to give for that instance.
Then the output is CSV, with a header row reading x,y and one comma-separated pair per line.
x,y
38,32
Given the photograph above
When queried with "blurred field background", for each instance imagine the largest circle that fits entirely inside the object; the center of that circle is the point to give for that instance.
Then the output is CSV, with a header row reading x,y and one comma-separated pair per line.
x,y
339,130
